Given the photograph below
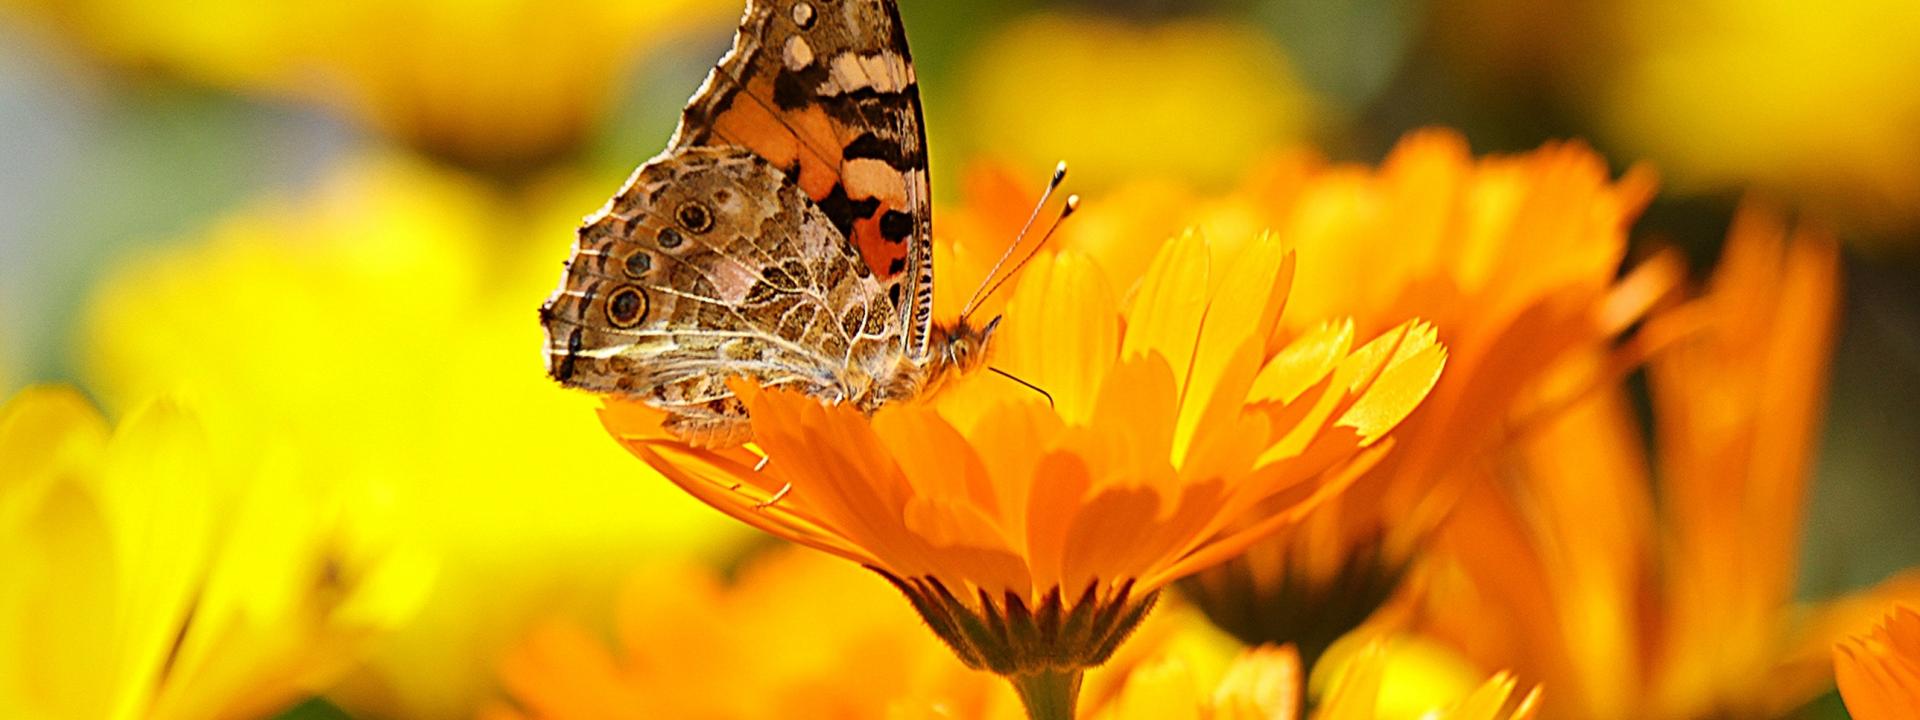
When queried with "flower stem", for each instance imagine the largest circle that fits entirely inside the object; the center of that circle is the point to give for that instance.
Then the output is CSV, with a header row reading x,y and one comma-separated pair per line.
x,y
1048,694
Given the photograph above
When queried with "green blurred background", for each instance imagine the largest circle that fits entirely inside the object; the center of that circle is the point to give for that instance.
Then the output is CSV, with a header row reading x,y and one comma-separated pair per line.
x,y
128,124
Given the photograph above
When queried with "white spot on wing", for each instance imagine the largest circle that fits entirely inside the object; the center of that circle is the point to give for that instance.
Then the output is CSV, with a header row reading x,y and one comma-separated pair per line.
x,y
888,72
880,72
798,54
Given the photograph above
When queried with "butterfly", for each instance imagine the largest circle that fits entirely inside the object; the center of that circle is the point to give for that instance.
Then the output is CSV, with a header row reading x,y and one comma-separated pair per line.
x,y
784,235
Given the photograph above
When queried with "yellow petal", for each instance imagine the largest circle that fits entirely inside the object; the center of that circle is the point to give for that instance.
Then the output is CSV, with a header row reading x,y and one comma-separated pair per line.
x,y
1063,329
160,493
47,432
1170,304
56,587
1238,319
1302,363
1398,387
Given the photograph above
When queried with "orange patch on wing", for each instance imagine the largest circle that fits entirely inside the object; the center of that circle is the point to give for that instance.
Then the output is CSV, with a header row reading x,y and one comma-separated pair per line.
x,y
868,179
874,247
806,135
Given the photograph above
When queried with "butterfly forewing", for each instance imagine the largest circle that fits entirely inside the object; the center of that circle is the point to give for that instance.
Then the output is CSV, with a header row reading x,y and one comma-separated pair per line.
x,y
785,235
825,91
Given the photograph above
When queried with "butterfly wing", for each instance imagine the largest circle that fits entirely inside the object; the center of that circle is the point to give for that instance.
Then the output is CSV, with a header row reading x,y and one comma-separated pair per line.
x,y
825,91
711,264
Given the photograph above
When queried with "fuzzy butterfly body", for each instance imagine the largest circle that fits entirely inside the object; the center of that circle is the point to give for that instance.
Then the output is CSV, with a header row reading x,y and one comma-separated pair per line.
x,y
785,235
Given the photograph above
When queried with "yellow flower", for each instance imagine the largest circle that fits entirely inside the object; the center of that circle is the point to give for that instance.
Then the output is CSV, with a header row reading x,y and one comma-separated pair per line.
x,y
1362,693
1263,684
496,83
795,635
1809,101
380,323
158,571
1628,598
1512,258
1032,538
1879,672
1092,89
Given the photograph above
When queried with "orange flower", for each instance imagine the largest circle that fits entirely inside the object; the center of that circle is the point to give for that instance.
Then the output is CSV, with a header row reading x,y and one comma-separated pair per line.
x,y
1631,599
1032,538
795,635
1879,673
1513,258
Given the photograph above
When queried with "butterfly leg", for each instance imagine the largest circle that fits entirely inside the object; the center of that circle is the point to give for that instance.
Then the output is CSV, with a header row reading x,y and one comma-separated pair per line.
x,y
777,497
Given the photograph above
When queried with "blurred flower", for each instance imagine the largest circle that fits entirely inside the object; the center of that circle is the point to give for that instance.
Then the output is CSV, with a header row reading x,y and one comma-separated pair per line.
x,y
381,323
1260,684
498,83
1879,673
796,634
1263,684
1810,101
1032,538
1365,689
1181,98
1512,258
156,571
1628,598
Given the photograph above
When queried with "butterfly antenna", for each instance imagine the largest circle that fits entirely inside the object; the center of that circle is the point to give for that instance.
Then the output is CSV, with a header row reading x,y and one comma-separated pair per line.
x,y
980,293
1073,205
1027,385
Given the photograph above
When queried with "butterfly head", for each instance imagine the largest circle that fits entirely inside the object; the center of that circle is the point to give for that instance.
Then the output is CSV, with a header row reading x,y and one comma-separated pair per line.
x,y
962,347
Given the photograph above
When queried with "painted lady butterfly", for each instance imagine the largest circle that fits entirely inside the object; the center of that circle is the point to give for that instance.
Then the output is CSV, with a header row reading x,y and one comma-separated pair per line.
x,y
785,235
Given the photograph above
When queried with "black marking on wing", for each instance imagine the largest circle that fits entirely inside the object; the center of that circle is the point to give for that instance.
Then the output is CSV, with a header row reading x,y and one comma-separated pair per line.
x,y
896,154
793,90
896,226
843,211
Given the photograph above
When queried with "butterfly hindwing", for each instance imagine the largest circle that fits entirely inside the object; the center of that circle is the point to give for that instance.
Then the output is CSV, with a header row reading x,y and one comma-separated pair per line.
x,y
711,264
825,91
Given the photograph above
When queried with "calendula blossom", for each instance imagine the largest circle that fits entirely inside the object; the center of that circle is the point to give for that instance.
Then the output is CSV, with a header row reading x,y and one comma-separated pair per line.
x,y
795,634
157,570
495,84
1032,538
1515,261
798,634
1879,671
378,323
1628,598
